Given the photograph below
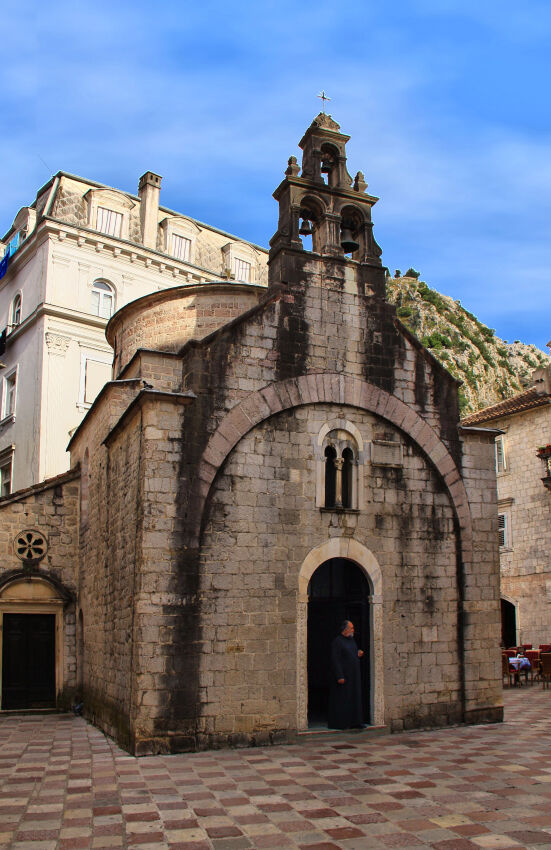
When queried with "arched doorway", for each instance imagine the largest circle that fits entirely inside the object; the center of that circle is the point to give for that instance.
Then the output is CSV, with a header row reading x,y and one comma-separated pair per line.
x,y
508,623
338,590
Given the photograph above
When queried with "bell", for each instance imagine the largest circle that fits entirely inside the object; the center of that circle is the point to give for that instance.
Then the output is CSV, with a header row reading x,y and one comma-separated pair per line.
x,y
326,166
348,243
305,228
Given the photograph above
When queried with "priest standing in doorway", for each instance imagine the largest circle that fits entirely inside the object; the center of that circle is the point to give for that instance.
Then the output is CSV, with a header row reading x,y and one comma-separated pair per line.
x,y
345,698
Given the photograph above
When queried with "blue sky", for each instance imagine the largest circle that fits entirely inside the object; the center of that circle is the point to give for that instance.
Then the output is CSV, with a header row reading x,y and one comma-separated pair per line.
x,y
446,102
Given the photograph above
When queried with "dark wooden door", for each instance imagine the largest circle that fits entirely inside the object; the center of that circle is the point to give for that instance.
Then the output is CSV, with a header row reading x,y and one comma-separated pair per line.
x,y
337,591
28,661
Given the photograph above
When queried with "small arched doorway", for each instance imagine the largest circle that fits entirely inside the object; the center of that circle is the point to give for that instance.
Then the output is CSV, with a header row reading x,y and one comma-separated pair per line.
x,y
338,590
508,624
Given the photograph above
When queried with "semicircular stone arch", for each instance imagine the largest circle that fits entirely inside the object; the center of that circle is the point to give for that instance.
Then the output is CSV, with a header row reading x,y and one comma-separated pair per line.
x,y
332,388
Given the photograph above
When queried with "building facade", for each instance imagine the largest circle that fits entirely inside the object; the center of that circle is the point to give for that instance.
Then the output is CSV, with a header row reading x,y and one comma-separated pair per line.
x,y
522,460
80,252
262,465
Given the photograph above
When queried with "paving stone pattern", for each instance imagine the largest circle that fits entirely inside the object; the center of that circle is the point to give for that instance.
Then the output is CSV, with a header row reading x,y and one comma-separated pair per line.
x,y
64,785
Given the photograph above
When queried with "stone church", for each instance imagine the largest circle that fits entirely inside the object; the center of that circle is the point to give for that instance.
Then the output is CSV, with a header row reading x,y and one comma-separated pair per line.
x,y
263,464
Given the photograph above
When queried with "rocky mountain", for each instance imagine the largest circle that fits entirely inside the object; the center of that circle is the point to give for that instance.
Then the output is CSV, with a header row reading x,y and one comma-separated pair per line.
x,y
491,368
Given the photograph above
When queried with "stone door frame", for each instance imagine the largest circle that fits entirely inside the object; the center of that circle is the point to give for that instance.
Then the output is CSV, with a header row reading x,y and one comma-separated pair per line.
x,y
35,594
351,550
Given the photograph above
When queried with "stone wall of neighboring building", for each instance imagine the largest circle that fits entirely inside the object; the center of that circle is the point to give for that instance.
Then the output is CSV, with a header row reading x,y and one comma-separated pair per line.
x,y
524,508
526,505
35,583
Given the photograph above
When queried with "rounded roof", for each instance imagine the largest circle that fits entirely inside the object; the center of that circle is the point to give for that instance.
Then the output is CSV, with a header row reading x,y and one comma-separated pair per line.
x,y
172,293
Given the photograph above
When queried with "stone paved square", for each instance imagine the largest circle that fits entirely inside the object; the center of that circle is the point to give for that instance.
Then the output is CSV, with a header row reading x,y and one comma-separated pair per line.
x,y
65,786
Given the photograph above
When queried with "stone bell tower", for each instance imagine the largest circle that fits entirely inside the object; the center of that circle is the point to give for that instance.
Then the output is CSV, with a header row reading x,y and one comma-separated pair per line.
x,y
325,203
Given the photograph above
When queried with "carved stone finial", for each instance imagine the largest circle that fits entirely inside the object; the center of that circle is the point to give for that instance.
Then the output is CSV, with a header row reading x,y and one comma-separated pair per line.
x,y
359,182
293,168
325,121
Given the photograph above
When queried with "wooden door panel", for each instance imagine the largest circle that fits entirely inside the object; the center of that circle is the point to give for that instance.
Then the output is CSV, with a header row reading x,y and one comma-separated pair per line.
x,y
28,661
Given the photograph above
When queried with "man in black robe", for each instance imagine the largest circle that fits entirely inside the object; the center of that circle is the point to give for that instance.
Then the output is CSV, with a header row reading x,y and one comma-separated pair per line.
x,y
345,698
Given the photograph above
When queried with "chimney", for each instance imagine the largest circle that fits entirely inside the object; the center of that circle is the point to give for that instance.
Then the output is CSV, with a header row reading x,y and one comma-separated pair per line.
x,y
149,189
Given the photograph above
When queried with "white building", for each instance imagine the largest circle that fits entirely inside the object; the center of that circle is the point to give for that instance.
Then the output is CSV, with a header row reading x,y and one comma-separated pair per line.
x,y
77,254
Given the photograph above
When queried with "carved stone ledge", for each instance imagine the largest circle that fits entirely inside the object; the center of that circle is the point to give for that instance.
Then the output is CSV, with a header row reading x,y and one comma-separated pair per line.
x,y
57,344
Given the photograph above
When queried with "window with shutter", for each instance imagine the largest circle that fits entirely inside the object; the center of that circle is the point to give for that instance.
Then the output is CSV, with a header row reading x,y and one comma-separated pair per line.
x,y
181,247
242,270
502,529
501,465
109,221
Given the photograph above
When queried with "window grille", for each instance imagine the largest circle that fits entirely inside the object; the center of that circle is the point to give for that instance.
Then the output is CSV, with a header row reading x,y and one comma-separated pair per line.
x,y
181,247
109,221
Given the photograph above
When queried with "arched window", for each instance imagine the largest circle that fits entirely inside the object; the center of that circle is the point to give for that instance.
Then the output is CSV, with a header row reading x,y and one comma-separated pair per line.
x,y
15,312
340,459
103,299
330,477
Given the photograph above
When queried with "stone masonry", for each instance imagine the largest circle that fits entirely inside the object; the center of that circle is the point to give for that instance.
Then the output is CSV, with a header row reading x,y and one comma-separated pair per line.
x,y
204,497
524,424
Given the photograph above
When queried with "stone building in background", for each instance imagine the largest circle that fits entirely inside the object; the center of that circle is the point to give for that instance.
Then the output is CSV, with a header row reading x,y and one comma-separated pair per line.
x,y
80,252
523,466
262,465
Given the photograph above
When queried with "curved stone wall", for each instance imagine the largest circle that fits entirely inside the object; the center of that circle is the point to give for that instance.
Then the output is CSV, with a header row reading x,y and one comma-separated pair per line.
x,y
166,320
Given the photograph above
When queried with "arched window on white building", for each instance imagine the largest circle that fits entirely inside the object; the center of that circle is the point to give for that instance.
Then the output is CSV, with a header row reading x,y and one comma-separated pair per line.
x,y
15,312
103,299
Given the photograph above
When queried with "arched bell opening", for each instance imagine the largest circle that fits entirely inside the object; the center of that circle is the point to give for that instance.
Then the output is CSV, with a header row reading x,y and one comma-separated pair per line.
x,y
338,590
352,233
310,217
329,160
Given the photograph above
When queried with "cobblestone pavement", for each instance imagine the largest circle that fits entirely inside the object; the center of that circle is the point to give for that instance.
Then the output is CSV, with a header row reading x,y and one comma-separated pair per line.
x,y
64,785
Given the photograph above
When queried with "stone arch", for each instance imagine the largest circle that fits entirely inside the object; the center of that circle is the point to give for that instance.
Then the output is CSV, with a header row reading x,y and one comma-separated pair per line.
x,y
331,388
341,425
352,550
53,588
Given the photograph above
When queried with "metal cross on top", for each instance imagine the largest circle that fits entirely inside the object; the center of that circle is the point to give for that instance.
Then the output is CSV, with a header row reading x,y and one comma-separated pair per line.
x,y
324,98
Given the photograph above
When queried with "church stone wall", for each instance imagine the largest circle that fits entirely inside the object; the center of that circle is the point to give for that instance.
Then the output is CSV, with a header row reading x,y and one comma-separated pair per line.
x,y
481,622
262,523
108,556
204,505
